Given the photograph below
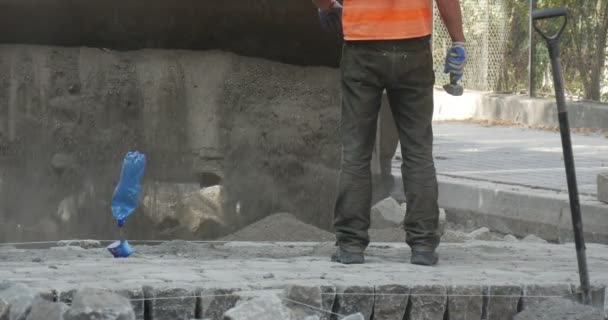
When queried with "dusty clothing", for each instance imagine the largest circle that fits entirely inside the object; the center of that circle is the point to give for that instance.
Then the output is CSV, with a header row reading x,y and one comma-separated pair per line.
x,y
405,69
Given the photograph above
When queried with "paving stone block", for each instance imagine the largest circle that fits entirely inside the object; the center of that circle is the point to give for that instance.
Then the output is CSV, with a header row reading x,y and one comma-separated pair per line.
x,y
4,309
302,300
390,302
20,298
267,307
135,296
97,304
428,302
502,302
602,187
215,302
45,310
353,299
329,299
137,299
465,302
170,303
535,294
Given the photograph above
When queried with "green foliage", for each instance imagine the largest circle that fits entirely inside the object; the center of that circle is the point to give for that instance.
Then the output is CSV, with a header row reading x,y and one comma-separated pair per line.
x,y
583,48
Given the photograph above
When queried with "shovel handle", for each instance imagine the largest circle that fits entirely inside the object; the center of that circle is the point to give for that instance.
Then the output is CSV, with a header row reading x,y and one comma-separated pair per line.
x,y
549,14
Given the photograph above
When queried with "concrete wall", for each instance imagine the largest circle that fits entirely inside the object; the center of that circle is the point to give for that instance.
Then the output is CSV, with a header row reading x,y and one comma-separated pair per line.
x,y
519,109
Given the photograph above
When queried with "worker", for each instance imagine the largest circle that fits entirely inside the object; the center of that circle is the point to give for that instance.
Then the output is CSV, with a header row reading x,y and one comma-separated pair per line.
x,y
387,47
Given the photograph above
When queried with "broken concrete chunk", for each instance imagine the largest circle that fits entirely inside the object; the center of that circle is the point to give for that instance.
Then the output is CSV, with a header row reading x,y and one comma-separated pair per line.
x,y
533,239
268,307
20,299
353,299
86,244
480,234
390,302
215,302
63,161
428,302
387,214
465,302
536,294
510,238
304,300
602,187
170,303
560,309
45,310
442,222
100,305
502,302
4,309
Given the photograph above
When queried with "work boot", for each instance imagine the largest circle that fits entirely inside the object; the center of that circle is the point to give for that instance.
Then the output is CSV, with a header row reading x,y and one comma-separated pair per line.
x,y
347,257
424,258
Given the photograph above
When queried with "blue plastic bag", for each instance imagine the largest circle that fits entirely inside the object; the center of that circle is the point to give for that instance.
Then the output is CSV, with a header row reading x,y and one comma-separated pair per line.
x,y
126,194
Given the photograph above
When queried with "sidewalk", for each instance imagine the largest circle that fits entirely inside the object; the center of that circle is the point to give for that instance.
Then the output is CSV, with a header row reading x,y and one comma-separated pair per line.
x,y
513,179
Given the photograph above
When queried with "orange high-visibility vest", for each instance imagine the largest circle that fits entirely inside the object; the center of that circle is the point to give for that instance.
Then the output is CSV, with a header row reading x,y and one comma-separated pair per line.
x,y
386,19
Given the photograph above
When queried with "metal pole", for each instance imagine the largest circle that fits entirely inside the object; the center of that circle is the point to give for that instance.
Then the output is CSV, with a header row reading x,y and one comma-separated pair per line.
x,y
532,53
575,208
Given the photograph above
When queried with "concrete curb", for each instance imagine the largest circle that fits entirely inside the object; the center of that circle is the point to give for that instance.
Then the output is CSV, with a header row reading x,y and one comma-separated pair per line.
x,y
517,210
519,109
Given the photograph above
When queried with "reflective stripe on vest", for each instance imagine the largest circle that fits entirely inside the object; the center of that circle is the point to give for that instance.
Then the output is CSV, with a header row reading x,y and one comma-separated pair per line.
x,y
386,19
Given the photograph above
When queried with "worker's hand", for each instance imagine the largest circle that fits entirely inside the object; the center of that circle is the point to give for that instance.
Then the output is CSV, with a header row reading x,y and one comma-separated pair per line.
x,y
455,60
331,18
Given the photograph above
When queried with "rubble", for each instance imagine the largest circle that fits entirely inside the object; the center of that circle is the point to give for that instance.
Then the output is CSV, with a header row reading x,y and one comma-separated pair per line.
x,y
480,234
387,214
533,239
560,309
85,244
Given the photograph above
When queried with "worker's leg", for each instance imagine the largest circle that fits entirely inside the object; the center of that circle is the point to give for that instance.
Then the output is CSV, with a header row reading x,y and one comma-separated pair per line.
x,y
411,97
361,94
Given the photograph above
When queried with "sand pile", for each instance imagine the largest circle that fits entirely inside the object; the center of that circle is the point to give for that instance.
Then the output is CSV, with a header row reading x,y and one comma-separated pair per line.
x,y
280,227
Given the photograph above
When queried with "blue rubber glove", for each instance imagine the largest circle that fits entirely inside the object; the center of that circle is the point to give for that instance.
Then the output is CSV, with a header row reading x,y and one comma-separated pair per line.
x,y
455,60
331,19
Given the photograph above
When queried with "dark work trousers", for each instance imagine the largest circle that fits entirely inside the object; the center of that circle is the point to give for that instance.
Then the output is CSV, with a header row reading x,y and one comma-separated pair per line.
x,y
404,68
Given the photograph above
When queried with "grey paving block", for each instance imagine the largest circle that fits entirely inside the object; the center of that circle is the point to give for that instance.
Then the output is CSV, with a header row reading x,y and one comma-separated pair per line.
x,y
97,304
428,302
329,299
535,294
353,299
170,303
45,310
268,307
465,302
304,300
502,302
20,298
602,187
4,309
390,302
214,303
137,299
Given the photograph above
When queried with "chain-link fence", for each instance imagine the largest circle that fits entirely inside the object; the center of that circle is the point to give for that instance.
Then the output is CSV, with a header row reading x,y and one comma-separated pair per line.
x,y
498,46
486,31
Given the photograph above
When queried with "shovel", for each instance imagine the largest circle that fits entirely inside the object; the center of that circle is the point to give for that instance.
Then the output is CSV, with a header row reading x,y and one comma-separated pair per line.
x,y
575,208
